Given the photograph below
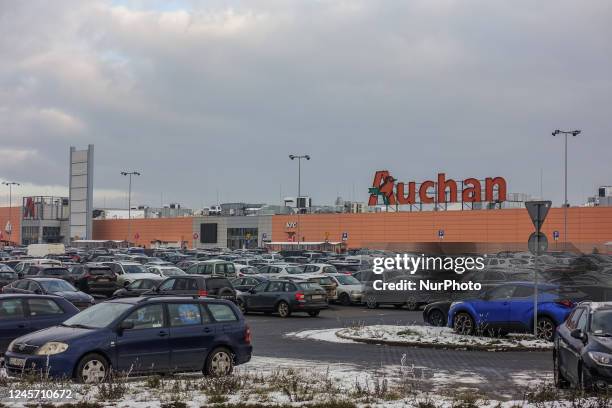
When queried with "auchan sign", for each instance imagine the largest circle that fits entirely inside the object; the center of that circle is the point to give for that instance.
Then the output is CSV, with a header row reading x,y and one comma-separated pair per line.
x,y
442,190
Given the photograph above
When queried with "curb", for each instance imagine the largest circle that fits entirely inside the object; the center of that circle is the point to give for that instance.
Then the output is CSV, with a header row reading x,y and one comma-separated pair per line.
x,y
466,347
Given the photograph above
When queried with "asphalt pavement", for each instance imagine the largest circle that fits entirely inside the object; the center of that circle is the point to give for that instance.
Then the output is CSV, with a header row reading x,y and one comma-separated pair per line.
x,y
504,373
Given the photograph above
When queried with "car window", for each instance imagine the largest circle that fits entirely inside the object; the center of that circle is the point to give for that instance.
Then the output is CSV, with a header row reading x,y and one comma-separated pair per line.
x,y
43,307
222,313
167,285
22,284
135,285
53,286
33,286
230,269
523,291
583,321
275,287
184,314
572,320
251,281
290,287
330,269
186,284
601,322
147,317
238,281
217,283
11,309
502,292
261,287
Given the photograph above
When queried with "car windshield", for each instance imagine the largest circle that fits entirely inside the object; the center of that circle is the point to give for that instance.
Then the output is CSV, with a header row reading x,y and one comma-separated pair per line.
x,y
5,268
57,286
601,322
347,280
98,316
294,269
134,269
55,271
173,271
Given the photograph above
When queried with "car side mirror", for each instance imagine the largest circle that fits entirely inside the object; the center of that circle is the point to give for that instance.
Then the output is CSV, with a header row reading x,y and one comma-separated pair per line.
x,y
578,334
126,325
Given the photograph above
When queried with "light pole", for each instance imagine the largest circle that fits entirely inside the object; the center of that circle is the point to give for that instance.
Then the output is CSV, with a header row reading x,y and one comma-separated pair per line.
x,y
565,203
299,159
10,185
129,174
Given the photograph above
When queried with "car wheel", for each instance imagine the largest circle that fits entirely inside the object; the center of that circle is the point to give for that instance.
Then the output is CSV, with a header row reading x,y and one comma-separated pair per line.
x,y
283,309
314,313
92,369
546,329
345,299
436,318
371,302
219,363
242,307
560,381
463,324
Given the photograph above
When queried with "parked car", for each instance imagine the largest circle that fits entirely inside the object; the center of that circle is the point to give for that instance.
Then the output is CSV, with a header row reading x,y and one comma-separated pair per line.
x,y
436,313
197,285
138,287
213,267
7,275
139,335
23,265
247,282
582,353
128,272
184,265
349,289
94,278
509,308
22,313
165,271
284,297
278,270
51,271
50,286
320,268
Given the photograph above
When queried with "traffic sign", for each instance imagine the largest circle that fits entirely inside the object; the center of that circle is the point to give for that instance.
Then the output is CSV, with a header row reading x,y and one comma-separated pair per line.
x,y
538,243
264,235
345,236
441,233
195,235
537,212
555,235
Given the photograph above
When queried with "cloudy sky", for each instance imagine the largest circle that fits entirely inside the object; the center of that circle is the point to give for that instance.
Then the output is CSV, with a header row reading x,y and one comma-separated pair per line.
x,y
208,98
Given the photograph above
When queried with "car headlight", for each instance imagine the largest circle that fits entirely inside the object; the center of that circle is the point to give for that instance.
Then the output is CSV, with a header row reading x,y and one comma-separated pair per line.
x,y
52,347
603,359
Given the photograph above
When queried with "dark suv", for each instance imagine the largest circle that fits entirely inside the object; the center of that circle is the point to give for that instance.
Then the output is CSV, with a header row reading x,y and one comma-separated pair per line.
x,y
95,278
197,285
582,353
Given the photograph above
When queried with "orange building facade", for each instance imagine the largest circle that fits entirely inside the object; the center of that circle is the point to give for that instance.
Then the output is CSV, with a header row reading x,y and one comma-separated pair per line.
x,y
15,218
145,231
468,230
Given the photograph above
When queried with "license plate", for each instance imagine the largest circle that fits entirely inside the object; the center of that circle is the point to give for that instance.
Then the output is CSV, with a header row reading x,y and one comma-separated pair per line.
x,y
317,296
18,362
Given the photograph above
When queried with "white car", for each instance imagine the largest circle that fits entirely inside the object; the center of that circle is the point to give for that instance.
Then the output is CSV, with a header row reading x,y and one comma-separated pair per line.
x,y
319,268
165,271
349,289
128,272
277,270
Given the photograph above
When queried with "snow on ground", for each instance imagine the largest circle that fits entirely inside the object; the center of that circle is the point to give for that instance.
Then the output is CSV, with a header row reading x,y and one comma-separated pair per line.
x,y
425,336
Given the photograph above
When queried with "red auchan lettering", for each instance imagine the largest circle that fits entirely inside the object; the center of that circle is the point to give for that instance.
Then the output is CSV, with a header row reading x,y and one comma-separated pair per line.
x,y
429,192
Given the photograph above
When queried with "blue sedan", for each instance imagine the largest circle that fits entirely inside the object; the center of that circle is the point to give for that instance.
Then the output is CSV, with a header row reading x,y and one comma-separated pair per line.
x,y
21,314
509,308
138,335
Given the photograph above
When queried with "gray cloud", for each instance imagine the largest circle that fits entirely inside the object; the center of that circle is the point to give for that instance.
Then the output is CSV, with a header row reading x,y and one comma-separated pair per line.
x,y
212,96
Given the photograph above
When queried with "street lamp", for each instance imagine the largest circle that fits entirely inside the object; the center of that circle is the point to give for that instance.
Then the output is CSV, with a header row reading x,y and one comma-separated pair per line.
x,y
299,159
565,203
129,174
9,229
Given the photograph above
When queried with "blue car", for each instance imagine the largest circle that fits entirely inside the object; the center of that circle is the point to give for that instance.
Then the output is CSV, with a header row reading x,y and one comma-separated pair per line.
x,y
509,308
137,335
21,314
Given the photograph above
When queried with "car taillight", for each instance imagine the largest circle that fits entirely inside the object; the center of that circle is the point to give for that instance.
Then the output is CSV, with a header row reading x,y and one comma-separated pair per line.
x,y
299,296
247,335
566,303
202,293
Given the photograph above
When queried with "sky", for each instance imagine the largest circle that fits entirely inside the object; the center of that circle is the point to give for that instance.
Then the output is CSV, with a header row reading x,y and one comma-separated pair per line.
x,y
208,98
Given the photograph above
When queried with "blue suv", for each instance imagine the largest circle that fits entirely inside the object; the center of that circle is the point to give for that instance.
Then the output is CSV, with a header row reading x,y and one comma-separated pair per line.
x,y
138,335
509,308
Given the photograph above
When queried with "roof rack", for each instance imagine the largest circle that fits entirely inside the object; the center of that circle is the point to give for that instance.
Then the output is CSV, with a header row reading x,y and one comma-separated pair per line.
x,y
145,298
